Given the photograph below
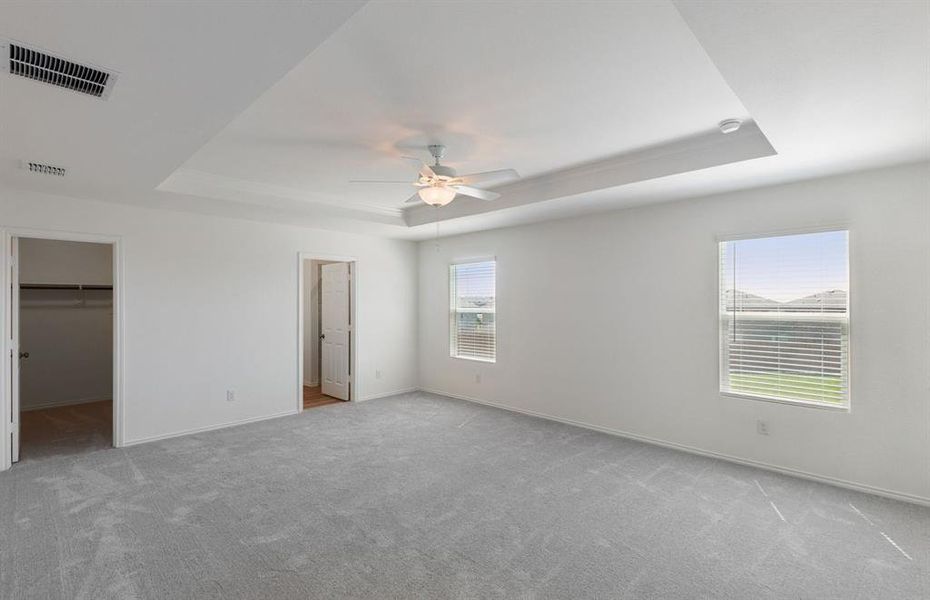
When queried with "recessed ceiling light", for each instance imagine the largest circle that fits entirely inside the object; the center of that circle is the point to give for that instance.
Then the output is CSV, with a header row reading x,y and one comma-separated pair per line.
x,y
729,125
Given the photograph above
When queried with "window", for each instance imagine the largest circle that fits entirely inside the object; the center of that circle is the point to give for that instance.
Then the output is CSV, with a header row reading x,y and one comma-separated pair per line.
x,y
471,315
784,318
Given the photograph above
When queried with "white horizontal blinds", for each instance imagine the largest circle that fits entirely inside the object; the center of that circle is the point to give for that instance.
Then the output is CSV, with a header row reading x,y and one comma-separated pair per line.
x,y
784,317
472,299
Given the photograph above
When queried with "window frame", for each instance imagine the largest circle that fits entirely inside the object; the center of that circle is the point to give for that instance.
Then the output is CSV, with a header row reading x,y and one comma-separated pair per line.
x,y
453,309
845,407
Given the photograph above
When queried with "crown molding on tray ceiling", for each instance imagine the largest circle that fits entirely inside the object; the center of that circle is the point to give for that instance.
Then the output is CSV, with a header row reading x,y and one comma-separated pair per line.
x,y
223,187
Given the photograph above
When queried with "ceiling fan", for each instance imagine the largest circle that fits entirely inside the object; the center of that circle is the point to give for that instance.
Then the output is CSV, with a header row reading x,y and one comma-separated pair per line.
x,y
440,184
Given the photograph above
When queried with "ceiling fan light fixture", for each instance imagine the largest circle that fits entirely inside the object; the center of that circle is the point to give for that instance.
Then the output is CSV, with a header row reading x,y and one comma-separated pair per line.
x,y
437,195
439,185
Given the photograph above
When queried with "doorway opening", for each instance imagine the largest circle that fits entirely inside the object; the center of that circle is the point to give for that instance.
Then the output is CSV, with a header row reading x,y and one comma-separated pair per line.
x,y
61,330
327,322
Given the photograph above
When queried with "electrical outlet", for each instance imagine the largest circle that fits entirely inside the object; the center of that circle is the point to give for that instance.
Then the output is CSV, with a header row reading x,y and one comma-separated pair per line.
x,y
378,374
762,427
230,396
477,377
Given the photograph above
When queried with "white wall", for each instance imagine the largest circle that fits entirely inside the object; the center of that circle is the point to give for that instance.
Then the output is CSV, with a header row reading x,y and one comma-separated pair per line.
x,y
68,334
611,320
311,286
56,261
212,304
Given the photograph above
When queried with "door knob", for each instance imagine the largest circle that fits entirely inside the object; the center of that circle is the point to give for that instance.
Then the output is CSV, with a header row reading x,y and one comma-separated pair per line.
x,y
322,336
24,355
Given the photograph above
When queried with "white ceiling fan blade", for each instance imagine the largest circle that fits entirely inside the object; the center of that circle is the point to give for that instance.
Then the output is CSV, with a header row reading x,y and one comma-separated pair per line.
x,y
490,177
412,159
377,181
427,172
413,199
476,193
425,169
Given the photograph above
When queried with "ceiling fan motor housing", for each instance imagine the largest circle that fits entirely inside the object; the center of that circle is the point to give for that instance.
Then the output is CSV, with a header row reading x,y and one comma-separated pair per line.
x,y
437,150
443,171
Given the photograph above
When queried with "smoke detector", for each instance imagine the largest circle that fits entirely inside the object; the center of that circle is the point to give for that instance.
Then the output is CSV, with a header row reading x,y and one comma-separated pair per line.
x,y
729,125
44,67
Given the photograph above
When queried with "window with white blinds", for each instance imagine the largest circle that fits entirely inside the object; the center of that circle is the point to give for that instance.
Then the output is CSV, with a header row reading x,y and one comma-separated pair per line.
x,y
471,316
784,318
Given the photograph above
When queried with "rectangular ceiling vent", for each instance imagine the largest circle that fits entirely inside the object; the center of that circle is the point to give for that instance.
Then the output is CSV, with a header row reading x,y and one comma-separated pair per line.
x,y
43,169
53,70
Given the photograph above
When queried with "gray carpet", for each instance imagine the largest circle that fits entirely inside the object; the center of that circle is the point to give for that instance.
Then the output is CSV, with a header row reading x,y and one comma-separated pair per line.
x,y
419,496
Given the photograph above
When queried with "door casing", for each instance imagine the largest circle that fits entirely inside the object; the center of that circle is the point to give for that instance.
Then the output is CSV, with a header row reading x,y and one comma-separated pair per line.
x,y
354,392
12,336
6,400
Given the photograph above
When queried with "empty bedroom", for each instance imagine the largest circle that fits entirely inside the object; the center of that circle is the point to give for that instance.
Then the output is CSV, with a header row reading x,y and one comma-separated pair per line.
x,y
618,299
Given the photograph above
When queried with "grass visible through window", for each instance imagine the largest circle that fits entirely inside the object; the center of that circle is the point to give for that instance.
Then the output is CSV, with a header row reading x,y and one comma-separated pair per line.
x,y
811,388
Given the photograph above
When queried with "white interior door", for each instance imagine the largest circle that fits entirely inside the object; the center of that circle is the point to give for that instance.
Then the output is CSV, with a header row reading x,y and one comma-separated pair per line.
x,y
14,356
334,330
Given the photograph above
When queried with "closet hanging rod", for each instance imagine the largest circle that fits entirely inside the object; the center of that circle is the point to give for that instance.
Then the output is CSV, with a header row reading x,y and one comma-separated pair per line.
x,y
63,286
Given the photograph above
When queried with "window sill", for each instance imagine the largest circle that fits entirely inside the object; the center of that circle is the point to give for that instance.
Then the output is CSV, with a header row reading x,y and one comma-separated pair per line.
x,y
802,403
473,359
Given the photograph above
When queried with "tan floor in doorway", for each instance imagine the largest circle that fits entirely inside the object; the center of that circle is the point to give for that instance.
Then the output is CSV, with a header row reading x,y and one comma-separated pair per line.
x,y
314,396
66,430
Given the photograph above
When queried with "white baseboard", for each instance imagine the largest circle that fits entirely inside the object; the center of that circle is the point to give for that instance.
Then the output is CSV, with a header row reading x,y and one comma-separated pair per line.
x,y
851,485
57,403
311,383
174,434
386,394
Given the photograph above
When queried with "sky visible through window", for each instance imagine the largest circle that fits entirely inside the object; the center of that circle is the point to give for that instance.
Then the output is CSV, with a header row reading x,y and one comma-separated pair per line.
x,y
475,280
787,268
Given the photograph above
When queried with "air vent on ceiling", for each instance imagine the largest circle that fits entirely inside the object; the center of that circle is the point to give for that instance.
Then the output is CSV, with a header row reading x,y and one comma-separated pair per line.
x,y
42,169
40,66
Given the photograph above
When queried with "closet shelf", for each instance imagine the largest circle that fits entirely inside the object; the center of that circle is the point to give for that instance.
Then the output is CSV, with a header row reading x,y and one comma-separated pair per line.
x,y
63,286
